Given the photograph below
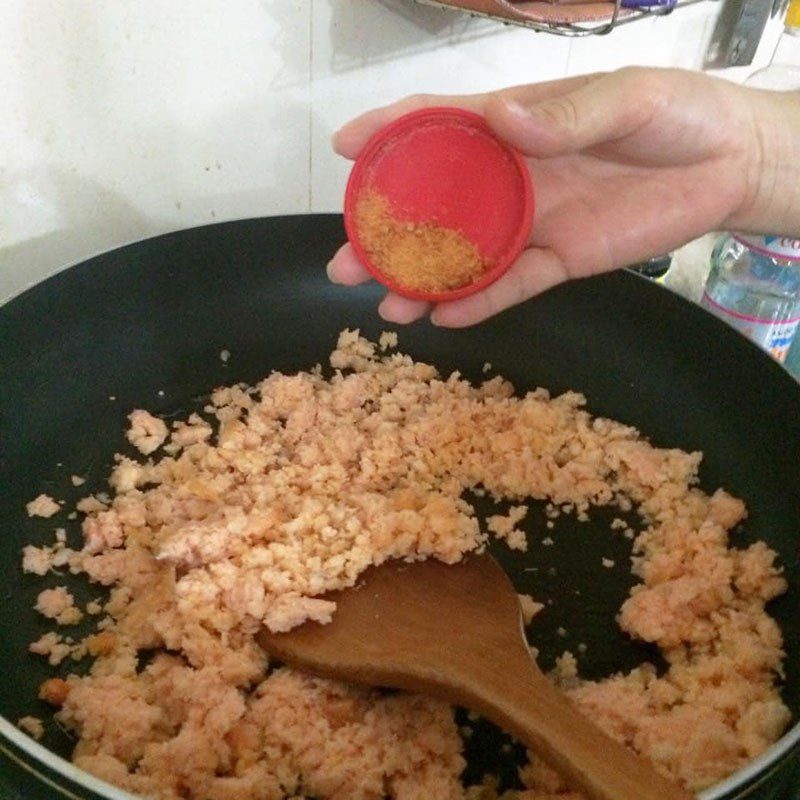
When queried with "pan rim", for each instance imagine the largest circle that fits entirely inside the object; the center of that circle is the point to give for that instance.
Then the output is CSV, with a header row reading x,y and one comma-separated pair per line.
x,y
48,758
60,765
52,271
724,790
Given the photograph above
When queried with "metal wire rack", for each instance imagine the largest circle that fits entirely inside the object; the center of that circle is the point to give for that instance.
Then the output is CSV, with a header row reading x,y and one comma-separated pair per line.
x,y
619,16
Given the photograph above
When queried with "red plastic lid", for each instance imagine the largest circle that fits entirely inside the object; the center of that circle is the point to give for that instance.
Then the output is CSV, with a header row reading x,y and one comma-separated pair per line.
x,y
446,166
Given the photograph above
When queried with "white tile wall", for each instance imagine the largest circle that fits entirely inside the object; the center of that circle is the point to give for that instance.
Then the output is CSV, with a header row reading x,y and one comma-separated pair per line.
x,y
121,120
670,41
368,53
126,119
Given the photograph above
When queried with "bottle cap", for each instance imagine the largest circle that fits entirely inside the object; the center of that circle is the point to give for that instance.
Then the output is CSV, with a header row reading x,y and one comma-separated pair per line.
x,y
445,167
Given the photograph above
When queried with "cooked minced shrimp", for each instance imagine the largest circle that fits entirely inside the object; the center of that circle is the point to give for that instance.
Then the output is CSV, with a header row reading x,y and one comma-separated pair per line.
x,y
311,480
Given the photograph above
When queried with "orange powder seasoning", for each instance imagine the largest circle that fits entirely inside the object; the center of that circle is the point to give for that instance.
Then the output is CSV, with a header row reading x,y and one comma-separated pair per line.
x,y
421,256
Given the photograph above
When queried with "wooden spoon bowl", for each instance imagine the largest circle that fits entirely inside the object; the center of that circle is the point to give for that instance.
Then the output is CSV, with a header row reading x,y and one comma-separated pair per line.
x,y
456,633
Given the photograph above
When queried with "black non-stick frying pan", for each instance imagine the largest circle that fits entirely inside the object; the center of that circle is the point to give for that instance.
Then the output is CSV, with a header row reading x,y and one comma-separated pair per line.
x,y
146,325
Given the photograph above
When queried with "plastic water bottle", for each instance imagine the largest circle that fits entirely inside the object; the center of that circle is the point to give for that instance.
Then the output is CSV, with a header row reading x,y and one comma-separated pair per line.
x,y
754,282
754,285
793,359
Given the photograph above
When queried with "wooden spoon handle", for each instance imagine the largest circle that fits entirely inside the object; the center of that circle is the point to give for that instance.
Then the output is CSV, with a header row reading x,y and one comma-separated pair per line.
x,y
527,705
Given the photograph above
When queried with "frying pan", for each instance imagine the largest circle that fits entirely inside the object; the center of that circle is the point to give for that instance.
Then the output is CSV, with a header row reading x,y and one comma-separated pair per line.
x,y
146,324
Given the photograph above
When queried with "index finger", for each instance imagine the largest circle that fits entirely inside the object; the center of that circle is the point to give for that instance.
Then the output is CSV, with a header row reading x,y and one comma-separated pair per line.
x,y
352,136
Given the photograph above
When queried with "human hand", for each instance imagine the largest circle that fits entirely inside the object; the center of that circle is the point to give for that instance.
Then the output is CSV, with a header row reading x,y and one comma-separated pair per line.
x,y
625,166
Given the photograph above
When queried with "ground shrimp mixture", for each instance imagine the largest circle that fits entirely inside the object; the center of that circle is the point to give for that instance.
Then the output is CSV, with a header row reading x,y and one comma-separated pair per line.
x,y
302,483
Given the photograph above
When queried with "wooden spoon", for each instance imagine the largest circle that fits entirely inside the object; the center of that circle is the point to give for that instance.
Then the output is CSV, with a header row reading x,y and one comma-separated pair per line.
x,y
455,632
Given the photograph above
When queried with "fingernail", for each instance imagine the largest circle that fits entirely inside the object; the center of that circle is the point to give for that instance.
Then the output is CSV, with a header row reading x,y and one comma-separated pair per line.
x,y
331,273
336,139
387,317
528,115
516,108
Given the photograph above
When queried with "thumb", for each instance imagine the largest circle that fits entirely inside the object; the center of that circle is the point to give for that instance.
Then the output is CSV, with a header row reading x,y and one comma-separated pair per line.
x,y
600,110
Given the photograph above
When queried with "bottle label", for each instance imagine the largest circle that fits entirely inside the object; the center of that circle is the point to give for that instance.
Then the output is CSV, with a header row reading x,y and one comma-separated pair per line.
x,y
773,336
783,247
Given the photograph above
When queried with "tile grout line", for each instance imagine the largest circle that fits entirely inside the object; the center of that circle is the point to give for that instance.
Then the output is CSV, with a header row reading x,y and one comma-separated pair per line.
x,y
702,48
568,60
310,106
